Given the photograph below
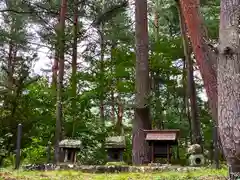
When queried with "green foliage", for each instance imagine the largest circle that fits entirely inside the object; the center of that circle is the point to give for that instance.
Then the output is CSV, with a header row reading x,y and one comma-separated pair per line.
x,y
9,161
34,154
171,175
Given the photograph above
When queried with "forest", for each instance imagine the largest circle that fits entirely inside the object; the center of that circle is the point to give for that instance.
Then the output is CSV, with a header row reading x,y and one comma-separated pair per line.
x,y
91,69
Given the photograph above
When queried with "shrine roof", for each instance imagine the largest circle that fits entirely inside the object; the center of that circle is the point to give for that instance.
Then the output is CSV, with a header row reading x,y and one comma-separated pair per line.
x,y
162,135
70,143
115,142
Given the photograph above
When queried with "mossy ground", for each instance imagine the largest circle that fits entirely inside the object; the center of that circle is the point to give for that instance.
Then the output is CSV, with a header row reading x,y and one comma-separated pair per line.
x,y
203,174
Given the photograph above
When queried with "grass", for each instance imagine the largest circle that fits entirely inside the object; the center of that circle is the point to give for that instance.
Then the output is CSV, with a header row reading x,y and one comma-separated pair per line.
x,y
203,174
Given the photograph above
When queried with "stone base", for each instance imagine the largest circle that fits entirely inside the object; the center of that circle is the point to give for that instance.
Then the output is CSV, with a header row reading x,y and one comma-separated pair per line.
x,y
107,169
196,160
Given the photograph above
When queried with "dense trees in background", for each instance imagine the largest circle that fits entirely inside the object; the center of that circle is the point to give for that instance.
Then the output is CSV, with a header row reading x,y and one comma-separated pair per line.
x,y
96,70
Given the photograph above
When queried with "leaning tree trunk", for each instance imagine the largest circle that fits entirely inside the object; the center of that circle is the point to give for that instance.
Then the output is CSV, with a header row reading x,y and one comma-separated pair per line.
x,y
229,83
206,58
140,151
196,124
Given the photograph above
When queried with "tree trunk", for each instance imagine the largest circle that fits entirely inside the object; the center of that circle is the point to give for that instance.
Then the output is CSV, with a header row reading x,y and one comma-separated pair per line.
x,y
59,113
101,32
156,76
119,125
10,65
56,58
186,110
140,151
196,124
102,76
112,85
229,83
55,69
74,66
206,58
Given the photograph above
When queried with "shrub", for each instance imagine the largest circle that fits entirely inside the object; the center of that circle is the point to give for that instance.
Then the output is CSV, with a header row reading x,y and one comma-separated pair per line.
x,y
35,153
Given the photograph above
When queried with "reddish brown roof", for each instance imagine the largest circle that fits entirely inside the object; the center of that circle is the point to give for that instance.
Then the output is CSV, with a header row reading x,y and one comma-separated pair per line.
x,y
162,135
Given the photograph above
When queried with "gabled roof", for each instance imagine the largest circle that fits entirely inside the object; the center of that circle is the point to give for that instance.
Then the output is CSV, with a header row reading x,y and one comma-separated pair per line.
x,y
162,135
70,143
115,142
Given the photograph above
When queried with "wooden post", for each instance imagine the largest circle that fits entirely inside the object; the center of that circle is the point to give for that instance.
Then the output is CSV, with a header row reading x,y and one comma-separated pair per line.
x,y
178,156
168,159
121,155
75,157
65,155
152,148
72,155
18,150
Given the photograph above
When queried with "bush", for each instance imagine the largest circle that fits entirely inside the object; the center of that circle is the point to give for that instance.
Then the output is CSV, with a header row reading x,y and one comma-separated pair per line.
x,y
9,161
35,153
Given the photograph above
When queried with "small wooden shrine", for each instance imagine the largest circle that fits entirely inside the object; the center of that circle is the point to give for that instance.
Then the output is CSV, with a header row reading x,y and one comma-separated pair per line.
x,y
68,150
161,142
115,147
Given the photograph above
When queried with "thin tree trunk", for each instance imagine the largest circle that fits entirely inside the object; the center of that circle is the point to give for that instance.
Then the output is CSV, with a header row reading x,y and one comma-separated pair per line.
x,y
113,85
55,69
186,108
113,106
59,113
74,66
102,116
156,22
10,65
119,125
206,58
101,29
156,75
189,120
140,151
196,125
229,83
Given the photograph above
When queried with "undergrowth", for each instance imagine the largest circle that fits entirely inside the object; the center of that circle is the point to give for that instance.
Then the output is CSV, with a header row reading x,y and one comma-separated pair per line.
x,y
203,174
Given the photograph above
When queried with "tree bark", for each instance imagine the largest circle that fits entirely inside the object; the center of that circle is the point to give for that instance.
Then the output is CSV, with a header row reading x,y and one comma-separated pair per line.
x,y
112,85
196,124
140,151
102,116
102,51
229,83
10,65
119,125
74,66
206,58
59,113
56,58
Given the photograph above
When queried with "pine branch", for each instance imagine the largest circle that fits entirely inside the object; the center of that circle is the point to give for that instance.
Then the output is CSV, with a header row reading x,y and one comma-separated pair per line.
x,y
113,11
17,12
